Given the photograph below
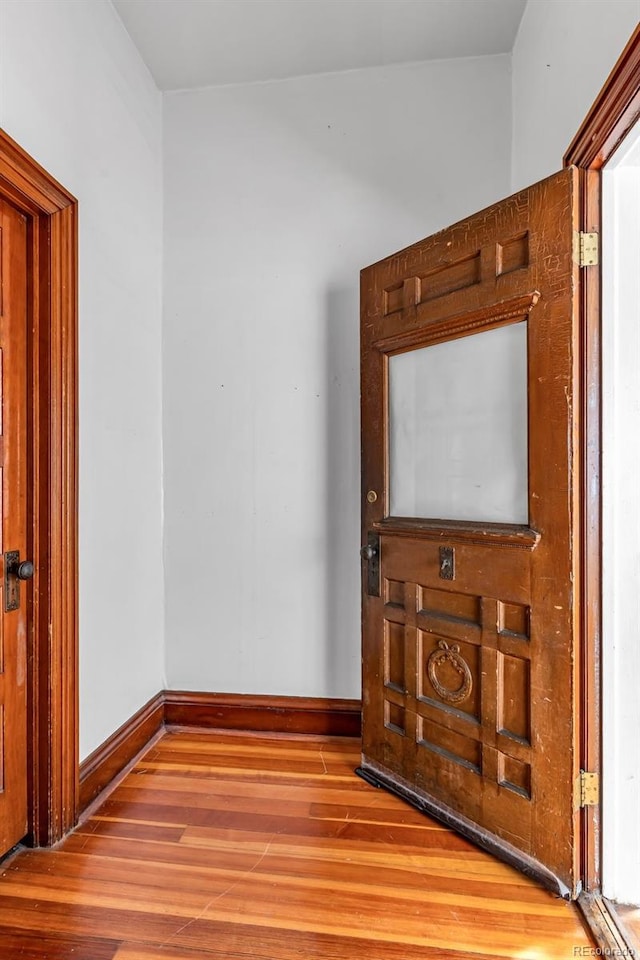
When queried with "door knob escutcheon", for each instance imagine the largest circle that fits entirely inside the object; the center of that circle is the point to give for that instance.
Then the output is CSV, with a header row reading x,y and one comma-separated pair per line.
x,y
15,570
370,553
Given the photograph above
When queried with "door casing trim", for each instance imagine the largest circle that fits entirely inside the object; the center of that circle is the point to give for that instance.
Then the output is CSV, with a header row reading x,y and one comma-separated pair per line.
x,y
613,114
52,333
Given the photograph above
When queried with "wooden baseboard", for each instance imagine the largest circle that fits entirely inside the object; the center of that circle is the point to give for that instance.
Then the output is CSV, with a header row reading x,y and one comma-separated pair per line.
x,y
296,715
109,759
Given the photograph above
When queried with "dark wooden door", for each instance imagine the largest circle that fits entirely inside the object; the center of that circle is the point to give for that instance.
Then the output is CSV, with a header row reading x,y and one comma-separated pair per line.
x,y
13,468
470,522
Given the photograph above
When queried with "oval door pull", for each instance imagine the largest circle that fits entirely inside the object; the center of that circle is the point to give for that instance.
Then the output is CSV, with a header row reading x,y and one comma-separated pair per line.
x,y
25,570
368,552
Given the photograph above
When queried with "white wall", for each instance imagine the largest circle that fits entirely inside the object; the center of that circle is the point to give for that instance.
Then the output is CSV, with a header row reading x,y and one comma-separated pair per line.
x,y
564,52
276,195
75,94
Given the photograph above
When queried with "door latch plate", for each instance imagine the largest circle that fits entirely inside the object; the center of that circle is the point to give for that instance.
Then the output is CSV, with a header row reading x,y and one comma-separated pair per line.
x,y
11,582
373,565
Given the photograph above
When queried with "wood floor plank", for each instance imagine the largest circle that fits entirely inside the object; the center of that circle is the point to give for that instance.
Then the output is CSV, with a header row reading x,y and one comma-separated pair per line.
x,y
269,848
237,943
18,945
415,873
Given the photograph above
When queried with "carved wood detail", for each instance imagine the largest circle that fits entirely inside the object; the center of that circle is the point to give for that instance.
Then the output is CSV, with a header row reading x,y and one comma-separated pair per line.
x,y
488,318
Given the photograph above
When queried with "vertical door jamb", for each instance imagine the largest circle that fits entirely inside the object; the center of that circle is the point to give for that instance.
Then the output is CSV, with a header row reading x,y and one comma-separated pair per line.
x,y
614,112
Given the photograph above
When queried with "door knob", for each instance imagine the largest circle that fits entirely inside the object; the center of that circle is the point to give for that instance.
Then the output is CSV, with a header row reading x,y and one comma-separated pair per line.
x,y
15,570
370,553
25,570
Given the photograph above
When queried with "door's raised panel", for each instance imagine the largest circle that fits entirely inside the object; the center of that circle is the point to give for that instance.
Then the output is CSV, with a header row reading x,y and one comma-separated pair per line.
x,y
465,279
394,656
443,280
448,605
514,748
514,697
453,684
512,254
450,745
514,775
394,717
394,593
479,570
451,277
450,627
513,620
450,717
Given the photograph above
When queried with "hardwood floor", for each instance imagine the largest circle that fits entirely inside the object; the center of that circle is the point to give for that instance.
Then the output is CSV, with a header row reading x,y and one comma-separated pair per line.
x,y
267,846
629,922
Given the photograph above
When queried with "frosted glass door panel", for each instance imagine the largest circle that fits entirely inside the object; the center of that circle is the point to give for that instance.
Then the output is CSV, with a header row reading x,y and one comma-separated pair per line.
x,y
458,429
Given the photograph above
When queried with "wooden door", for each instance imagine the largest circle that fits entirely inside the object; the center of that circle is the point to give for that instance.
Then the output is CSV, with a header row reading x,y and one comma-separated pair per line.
x,y
471,527
13,468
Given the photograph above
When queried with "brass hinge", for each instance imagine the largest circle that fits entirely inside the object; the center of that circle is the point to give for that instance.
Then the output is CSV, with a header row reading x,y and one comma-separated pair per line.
x,y
585,249
586,790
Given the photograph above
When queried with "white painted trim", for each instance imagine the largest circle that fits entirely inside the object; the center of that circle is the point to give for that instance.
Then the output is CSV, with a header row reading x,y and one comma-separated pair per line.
x,y
621,524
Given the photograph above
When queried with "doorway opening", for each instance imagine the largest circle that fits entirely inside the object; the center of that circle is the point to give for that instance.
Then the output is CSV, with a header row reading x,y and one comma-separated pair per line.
x,y
621,522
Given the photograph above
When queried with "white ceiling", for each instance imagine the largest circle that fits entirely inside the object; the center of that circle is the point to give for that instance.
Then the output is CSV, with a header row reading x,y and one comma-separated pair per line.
x,y
196,43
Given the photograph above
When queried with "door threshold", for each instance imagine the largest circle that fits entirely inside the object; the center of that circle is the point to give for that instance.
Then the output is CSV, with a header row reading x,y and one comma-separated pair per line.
x,y
607,927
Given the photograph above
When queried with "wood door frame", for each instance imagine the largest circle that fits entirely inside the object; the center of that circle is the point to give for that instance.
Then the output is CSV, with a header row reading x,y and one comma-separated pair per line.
x,y
51,213
613,114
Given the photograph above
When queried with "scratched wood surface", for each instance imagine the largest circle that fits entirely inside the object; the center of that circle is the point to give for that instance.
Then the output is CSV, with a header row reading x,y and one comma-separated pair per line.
x,y
264,846
470,684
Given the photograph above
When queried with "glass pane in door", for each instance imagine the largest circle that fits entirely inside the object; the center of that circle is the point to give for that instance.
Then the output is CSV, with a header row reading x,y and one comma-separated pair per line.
x,y
458,429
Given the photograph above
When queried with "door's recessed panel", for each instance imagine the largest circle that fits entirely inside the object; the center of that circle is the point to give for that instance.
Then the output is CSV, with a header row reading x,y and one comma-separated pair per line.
x,y
394,717
394,593
514,697
450,605
514,775
513,620
451,745
458,435
394,655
